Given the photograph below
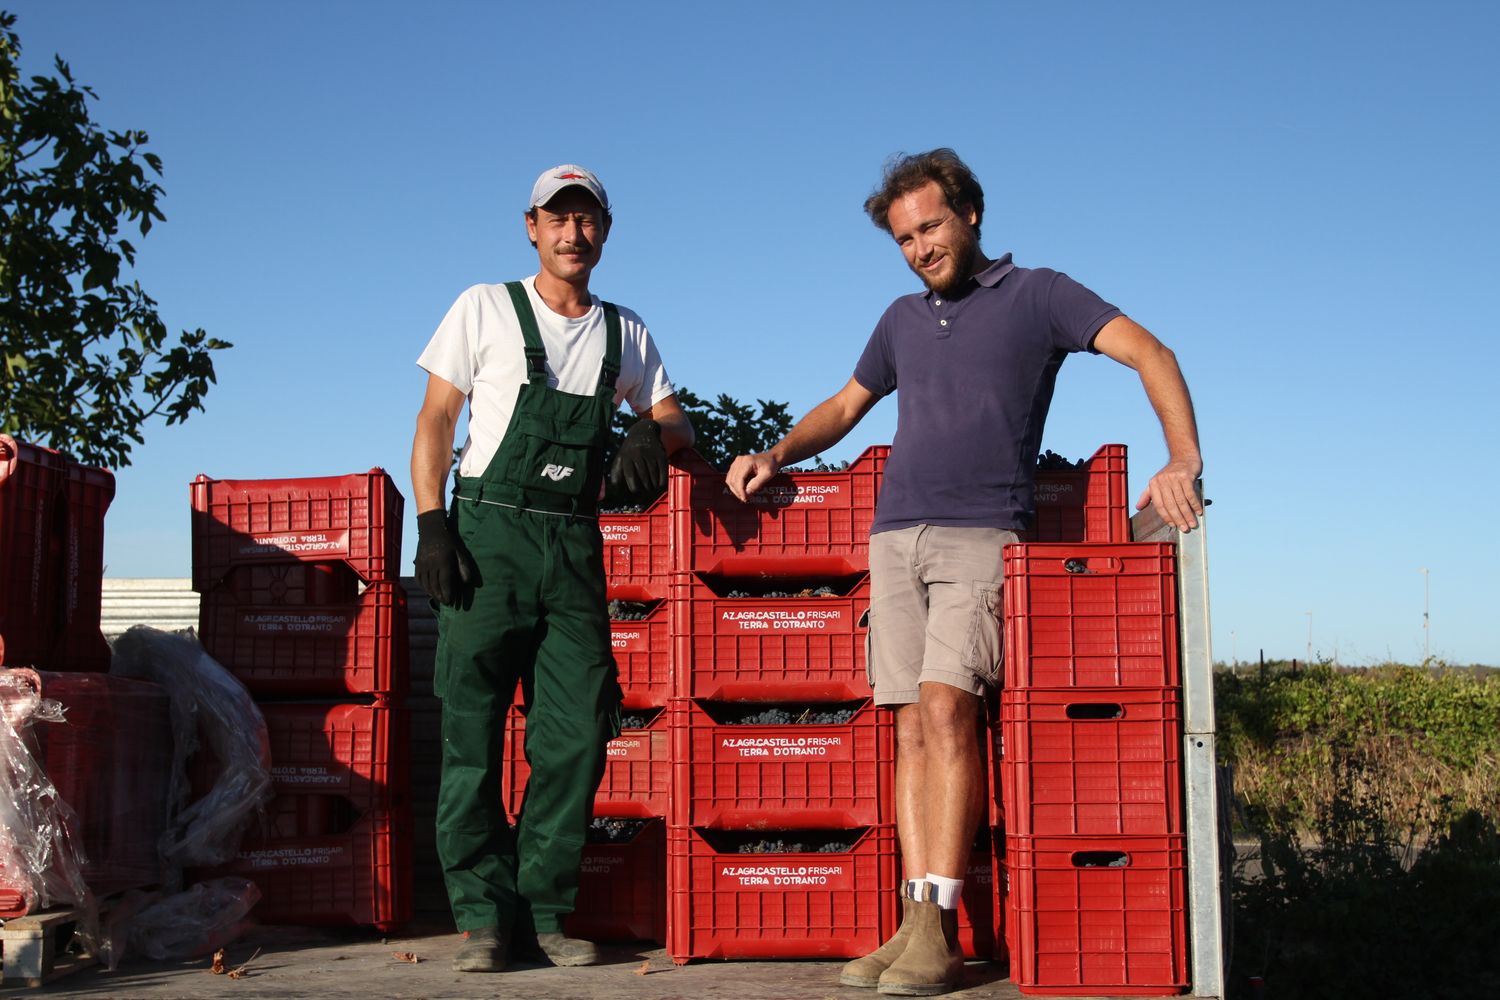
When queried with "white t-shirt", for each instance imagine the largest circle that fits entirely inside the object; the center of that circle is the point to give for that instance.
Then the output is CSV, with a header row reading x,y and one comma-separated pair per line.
x,y
479,350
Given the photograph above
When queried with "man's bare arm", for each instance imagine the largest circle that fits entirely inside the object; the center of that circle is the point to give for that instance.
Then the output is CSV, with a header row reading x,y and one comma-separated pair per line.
x,y
1173,490
676,429
432,447
822,428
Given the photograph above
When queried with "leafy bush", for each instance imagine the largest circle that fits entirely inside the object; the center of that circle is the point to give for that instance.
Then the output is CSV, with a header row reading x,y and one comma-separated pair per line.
x,y
1361,910
1428,741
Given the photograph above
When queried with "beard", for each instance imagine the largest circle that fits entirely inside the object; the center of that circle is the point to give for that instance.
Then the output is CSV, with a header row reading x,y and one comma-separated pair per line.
x,y
961,257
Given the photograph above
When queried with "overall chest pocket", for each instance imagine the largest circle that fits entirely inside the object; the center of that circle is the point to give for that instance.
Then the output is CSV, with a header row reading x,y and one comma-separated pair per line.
x,y
555,454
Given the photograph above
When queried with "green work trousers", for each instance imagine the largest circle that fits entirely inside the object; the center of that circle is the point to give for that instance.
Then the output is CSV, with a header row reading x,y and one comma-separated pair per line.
x,y
537,614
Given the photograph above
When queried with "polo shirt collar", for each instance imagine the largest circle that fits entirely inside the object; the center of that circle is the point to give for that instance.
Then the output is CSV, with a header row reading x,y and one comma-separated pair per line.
x,y
990,276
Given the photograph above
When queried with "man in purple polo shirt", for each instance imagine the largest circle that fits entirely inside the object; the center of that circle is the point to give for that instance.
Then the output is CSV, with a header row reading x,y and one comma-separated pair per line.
x,y
975,359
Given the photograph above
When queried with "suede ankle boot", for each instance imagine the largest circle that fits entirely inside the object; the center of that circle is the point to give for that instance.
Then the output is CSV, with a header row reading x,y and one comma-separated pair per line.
x,y
563,950
932,963
485,949
865,972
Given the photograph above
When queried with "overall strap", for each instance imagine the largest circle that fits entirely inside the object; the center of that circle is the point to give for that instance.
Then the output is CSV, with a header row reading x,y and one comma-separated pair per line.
x,y
536,354
610,370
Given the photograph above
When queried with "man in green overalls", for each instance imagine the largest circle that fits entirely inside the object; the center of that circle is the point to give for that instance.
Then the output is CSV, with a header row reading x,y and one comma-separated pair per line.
x,y
516,569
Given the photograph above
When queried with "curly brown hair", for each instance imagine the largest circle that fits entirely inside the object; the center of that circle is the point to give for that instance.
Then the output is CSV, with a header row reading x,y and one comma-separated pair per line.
x,y
905,173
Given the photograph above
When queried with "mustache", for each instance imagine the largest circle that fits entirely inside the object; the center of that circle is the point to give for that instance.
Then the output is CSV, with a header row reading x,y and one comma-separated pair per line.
x,y
581,247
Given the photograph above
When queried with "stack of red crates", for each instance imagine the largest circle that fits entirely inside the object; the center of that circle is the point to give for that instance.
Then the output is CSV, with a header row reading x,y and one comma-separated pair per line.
x,y
51,559
1090,783
622,878
743,647
301,602
110,759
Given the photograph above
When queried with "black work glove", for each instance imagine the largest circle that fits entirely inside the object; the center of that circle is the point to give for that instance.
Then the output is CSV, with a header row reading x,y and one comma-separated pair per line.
x,y
641,464
441,563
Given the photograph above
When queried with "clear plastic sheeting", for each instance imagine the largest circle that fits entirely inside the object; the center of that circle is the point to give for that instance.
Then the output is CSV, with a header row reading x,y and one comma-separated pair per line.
x,y
203,919
40,865
208,700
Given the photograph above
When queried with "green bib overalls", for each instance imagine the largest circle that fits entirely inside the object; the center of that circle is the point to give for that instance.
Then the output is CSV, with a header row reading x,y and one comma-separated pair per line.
x,y
537,613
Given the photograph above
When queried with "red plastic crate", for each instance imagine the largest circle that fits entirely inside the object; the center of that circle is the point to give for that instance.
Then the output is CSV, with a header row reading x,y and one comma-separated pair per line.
x,y
354,518
361,875
310,650
981,907
1076,925
359,754
769,649
111,762
622,889
32,480
643,652
294,584
638,548
1084,505
797,515
1089,615
637,770
745,906
798,776
80,644
1091,761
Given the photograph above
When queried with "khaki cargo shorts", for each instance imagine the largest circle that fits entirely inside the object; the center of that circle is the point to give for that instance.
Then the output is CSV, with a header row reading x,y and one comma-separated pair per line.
x,y
935,610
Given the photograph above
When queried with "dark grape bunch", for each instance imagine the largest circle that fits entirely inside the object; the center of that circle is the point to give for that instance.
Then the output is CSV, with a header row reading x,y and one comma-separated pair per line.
x,y
634,722
628,611
819,467
779,846
613,831
626,508
824,591
832,715
1051,460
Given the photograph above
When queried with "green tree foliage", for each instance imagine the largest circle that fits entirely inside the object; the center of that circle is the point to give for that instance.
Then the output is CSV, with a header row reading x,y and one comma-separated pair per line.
x,y
85,359
725,427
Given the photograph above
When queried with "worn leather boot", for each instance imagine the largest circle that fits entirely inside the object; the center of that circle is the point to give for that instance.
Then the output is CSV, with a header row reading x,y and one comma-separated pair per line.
x,y
563,950
933,962
485,949
865,972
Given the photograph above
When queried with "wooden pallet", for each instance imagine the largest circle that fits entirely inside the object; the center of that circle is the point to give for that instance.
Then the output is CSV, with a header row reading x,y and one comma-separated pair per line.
x,y
34,949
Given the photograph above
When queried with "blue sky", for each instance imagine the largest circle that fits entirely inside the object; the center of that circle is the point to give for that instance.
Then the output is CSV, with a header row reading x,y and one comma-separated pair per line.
x,y
1299,199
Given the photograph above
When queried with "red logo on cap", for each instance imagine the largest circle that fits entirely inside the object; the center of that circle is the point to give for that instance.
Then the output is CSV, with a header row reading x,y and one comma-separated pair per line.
x,y
570,176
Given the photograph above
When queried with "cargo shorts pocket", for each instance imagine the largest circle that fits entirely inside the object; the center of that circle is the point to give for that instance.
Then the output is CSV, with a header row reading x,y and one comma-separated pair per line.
x,y
982,649
864,623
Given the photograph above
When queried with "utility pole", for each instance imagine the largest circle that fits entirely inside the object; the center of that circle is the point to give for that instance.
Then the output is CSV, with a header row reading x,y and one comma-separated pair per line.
x,y
1309,637
1426,619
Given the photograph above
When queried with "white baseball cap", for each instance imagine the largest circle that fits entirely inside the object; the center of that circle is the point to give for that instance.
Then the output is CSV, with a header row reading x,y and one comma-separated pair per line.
x,y
563,176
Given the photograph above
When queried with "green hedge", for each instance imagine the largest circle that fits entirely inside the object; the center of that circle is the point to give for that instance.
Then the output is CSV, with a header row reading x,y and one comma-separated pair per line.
x,y
1427,740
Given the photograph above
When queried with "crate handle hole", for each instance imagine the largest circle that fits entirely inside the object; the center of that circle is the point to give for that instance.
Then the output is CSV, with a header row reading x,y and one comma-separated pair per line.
x,y
1084,564
1090,711
1100,859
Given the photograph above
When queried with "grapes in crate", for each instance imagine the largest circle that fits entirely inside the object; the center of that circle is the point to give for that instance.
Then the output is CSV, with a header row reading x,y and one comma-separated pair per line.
x,y
810,843
823,591
628,611
1051,461
614,831
780,715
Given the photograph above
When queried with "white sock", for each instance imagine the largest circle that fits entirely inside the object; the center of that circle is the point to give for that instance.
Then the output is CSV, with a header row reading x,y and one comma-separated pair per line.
x,y
948,890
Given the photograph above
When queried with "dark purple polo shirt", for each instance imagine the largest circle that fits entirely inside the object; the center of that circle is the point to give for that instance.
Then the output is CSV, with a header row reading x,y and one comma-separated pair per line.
x,y
975,374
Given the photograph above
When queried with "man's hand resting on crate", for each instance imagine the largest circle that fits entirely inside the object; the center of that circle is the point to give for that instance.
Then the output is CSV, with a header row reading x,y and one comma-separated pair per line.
x,y
1173,492
748,473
